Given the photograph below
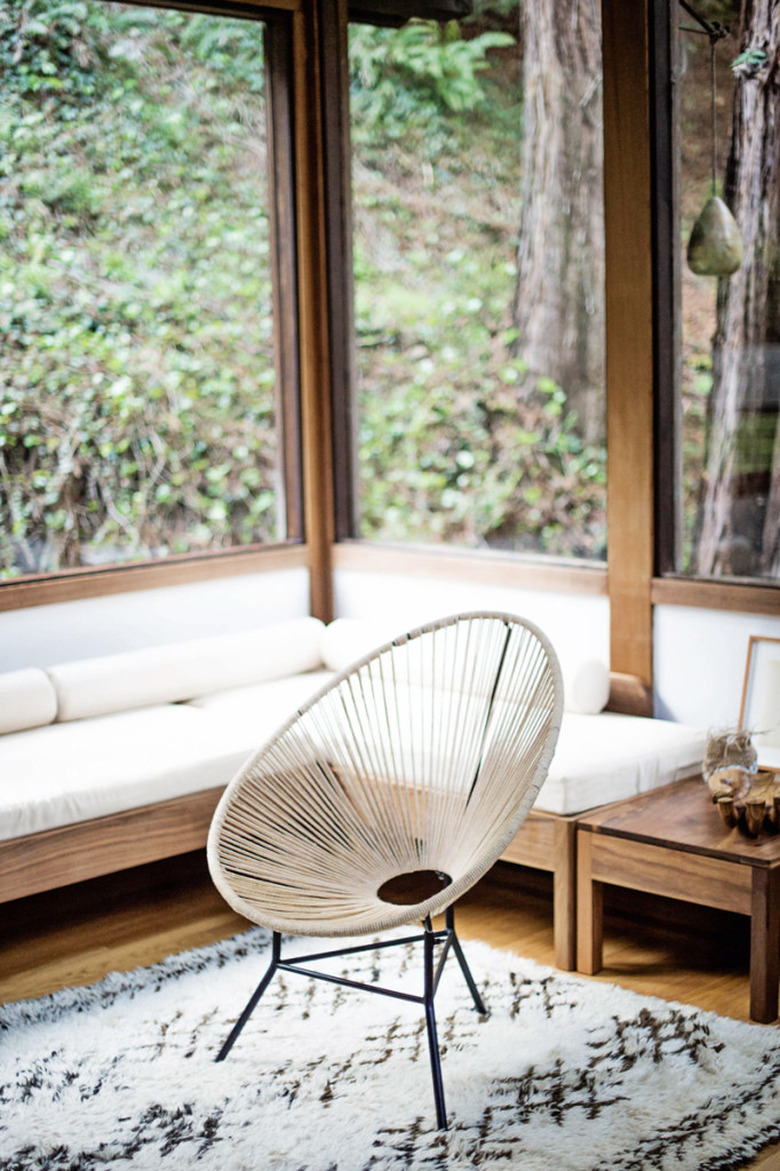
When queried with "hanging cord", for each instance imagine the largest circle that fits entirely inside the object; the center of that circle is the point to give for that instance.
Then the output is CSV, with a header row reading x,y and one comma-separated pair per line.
x,y
712,29
713,115
716,32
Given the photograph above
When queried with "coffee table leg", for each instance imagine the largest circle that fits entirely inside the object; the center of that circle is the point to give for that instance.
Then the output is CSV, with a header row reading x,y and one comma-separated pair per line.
x,y
590,909
764,944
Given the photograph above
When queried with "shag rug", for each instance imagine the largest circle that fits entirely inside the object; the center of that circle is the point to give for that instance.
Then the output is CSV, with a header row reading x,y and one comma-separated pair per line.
x,y
564,1074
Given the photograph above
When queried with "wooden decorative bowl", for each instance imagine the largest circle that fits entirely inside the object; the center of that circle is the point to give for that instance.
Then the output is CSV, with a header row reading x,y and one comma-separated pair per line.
x,y
749,801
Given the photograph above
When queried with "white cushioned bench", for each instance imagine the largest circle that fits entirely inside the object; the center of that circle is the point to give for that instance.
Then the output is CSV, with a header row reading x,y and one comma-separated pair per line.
x,y
128,730
114,761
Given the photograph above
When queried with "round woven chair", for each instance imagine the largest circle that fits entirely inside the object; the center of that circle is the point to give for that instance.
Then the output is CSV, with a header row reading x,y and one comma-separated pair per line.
x,y
389,794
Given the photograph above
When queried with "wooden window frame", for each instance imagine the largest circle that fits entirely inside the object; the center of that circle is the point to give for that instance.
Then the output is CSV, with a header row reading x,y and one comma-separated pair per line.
x,y
669,586
639,218
285,156
642,274
627,576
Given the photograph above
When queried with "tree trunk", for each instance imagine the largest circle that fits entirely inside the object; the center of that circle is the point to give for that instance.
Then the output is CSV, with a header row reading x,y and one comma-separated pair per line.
x,y
559,298
739,517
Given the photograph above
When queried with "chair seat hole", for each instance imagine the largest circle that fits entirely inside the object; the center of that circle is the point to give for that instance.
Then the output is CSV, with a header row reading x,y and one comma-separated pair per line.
x,y
415,886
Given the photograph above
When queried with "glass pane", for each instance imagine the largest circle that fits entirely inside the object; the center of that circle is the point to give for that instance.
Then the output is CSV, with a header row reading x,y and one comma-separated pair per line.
x,y
136,334
729,495
479,276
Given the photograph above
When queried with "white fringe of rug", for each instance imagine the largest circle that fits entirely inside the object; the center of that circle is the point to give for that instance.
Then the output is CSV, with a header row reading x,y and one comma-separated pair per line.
x,y
564,1074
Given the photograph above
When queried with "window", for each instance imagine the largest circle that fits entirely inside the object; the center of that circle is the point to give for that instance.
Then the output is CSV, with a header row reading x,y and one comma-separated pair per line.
x,y
479,281
143,383
727,498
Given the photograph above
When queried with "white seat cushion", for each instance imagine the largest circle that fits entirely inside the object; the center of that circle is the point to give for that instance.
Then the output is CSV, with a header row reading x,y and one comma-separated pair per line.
x,y
609,757
71,772
66,773
252,714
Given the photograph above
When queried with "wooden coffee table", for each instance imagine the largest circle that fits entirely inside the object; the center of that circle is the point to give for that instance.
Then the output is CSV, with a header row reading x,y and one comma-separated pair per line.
x,y
672,842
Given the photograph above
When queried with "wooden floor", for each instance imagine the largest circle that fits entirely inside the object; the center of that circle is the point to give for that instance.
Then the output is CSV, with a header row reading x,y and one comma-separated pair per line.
x,y
77,935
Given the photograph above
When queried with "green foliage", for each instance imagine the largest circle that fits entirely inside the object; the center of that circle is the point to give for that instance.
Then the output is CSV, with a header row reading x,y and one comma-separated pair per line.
x,y
49,49
137,383
749,63
136,356
416,75
80,48
228,48
450,451
456,442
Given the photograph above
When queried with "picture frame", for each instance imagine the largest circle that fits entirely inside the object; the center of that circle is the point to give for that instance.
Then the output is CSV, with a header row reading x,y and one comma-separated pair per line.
x,y
760,708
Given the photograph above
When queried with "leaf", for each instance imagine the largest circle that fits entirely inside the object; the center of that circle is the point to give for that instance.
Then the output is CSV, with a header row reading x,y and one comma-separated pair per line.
x,y
748,63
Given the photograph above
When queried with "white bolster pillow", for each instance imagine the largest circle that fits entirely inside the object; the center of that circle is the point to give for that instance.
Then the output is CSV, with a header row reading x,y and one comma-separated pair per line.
x,y
27,700
185,670
346,640
585,681
585,686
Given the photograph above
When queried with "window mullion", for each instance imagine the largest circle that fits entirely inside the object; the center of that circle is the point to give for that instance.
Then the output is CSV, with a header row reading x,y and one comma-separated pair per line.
x,y
278,49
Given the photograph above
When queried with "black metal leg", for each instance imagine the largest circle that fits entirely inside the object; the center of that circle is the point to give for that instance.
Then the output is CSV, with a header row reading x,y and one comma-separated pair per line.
x,y
245,1015
431,979
479,1004
430,1021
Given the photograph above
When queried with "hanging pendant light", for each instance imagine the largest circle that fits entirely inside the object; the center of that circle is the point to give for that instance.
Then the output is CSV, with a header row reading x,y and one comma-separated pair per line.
x,y
715,244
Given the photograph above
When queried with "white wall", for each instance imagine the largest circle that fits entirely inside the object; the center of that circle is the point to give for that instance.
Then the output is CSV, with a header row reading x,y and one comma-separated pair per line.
x,y
699,662
567,619
699,655
44,635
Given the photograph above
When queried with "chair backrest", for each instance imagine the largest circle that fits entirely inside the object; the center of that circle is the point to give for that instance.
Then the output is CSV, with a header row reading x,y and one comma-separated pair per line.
x,y
425,755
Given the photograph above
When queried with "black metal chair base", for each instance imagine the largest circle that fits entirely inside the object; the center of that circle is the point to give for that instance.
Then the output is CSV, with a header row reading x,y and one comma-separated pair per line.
x,y
431,976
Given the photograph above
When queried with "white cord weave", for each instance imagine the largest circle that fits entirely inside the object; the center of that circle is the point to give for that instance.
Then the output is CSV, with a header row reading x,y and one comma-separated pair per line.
x,y
425,755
